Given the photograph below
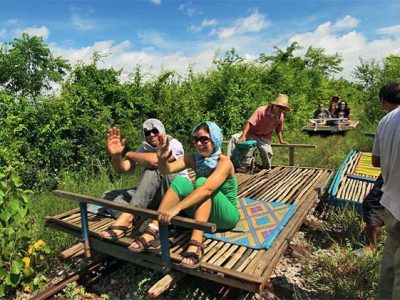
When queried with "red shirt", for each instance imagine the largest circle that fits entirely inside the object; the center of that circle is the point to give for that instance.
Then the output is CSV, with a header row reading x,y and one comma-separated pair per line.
x,y
263,122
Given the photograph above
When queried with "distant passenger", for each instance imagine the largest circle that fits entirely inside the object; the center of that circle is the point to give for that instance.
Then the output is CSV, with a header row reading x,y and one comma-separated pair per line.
x,y
321,112
343,111
334,105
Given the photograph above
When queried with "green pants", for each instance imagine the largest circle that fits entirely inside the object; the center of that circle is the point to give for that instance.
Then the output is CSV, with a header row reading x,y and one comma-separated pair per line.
x,y
224,212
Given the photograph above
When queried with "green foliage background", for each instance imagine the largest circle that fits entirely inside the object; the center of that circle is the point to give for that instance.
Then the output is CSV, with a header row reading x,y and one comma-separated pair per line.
x,y
44,135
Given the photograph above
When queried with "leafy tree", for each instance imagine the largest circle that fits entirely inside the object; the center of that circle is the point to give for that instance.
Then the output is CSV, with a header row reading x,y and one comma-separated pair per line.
x,y
28,67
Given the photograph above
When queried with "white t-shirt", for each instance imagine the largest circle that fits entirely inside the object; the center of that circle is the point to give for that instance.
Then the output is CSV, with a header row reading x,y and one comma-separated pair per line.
x,y
177,152
387,147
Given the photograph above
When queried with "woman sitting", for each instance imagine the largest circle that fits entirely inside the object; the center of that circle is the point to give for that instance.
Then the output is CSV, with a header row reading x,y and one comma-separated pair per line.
x,y
321,112
212,198
343,111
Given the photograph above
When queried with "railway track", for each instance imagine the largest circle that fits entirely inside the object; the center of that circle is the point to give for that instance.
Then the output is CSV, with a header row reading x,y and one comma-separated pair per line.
x,y
86,276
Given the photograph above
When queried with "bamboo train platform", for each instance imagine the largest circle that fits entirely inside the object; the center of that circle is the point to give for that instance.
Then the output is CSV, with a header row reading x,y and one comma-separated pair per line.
x,y
228,264
353,180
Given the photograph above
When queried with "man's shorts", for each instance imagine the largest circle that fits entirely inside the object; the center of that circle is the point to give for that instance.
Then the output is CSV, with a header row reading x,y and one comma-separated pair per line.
x,y
372,209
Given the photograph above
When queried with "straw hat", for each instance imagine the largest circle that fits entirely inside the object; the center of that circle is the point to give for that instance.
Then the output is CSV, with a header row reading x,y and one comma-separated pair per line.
x,y
283,101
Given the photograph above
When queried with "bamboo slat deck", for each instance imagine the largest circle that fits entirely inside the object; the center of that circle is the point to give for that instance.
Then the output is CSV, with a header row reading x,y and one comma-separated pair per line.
x,y
346,190
229,264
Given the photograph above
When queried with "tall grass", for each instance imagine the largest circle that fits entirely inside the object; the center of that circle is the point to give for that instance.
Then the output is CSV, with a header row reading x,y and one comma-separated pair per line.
x,y
336,272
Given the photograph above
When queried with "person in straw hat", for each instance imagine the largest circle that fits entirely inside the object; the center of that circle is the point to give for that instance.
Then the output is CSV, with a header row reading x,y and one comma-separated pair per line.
x,y
260,127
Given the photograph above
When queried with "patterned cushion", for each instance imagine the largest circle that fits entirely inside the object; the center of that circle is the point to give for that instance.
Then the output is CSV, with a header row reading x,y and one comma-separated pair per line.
x,y
260,222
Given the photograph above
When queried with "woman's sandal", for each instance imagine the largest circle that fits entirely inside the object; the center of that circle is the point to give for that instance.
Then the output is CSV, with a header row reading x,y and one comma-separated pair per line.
x,y
152,246
195,256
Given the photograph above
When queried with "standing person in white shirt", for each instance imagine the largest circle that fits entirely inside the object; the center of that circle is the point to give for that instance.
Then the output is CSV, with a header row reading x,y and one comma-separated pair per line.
x,y
386,154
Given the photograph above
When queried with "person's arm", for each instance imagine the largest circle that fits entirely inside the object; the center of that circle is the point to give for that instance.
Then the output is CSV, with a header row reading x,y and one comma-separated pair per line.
x,y
279,131
203,192
120,164
115,148
376,150
146,159
376,161
244,133
328,113
166,160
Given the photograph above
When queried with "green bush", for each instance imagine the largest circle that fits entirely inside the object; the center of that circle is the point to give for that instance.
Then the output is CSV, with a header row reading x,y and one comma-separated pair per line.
x,y
20,256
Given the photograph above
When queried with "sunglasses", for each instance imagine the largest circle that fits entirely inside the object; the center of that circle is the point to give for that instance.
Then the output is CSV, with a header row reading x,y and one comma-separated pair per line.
x,y
202,139
153,131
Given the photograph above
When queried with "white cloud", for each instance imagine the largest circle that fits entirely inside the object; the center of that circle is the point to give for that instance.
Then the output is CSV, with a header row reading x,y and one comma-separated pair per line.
x,y
351,45
392,30
121,56
12,22
154,38
204,24
189,9
158,2
82,20
42,31
253,23
348,22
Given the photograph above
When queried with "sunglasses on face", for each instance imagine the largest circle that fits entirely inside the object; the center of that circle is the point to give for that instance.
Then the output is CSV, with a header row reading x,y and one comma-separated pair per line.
x,y
153,131
202,139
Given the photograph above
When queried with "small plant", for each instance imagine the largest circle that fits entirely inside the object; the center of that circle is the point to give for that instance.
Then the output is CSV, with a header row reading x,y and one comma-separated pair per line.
x,y
20,255
339,273
335,271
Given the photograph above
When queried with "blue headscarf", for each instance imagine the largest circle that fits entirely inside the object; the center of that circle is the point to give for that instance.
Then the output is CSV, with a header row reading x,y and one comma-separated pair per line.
x,y
205,165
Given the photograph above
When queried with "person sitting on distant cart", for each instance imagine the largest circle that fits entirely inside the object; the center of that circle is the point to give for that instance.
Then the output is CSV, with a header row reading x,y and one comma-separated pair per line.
x,y
212,197
321,112
343,111
333,105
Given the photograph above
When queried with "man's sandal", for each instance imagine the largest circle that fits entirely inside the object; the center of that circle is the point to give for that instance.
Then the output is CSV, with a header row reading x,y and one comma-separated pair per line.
x,y
111,231
152,246
194,256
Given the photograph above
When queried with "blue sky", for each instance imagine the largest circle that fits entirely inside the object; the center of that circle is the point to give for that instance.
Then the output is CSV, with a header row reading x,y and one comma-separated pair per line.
x,y
161,34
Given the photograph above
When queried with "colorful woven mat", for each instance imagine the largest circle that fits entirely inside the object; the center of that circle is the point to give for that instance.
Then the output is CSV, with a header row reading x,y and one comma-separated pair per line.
x,y
260,223
364,166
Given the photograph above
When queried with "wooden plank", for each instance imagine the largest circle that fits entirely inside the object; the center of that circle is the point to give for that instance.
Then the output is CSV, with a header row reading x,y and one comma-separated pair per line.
x,y
293,145
226,255
219,253
247,261
255,261
164,284
67,213
74,251
213,250
235,257
148,213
